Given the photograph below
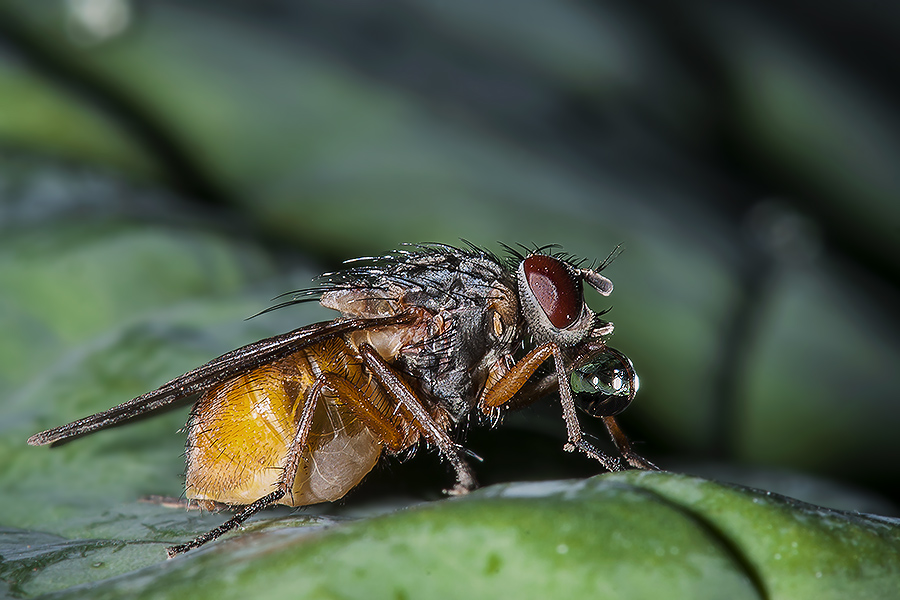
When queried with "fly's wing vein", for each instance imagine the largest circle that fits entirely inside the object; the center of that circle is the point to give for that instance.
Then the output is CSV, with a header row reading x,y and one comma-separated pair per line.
x,y
216,371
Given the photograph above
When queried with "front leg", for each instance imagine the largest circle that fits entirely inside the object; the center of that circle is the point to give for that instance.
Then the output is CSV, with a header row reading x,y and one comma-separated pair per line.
x,y
506,388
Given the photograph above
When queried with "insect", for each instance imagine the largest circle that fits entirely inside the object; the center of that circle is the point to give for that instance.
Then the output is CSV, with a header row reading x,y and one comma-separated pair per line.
x,y
428,335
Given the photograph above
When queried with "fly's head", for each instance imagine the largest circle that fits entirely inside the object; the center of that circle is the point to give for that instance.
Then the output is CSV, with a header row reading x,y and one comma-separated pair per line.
x,y
551,296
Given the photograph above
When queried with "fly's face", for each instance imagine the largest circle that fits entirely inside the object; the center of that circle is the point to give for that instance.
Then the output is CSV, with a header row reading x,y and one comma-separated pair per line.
x,y
602,380
552,296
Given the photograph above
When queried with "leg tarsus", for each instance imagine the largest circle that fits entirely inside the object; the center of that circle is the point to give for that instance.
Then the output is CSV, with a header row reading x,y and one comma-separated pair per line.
x,y
181,502
609,463
232,523
465,478
624,446
639,462
458,490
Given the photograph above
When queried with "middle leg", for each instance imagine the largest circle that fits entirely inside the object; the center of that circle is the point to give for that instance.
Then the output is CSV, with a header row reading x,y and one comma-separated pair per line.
x,y
428,427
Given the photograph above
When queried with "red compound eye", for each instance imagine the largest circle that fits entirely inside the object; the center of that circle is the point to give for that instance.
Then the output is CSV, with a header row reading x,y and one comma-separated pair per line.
x,y
556,288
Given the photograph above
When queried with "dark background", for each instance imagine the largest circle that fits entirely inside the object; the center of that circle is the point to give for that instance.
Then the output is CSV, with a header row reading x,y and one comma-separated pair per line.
x,y
158,155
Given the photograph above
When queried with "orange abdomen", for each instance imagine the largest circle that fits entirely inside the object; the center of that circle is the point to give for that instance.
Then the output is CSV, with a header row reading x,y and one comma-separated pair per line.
x,y
241,431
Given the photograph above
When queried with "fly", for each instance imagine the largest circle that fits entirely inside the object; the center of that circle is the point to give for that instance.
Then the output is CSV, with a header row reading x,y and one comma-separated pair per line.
x,y
427,336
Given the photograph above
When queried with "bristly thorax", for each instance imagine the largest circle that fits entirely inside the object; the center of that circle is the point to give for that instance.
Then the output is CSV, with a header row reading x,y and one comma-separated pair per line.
x,y
469,310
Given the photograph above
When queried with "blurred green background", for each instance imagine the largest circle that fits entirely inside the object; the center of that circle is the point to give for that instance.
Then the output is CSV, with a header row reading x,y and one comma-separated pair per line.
x,y
168,167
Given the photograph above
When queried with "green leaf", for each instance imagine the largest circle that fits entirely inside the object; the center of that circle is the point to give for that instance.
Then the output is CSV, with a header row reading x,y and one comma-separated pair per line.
x,y
628,535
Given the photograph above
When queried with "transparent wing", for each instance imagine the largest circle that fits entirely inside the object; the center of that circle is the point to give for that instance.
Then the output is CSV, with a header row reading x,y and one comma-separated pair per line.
x,y
216,371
